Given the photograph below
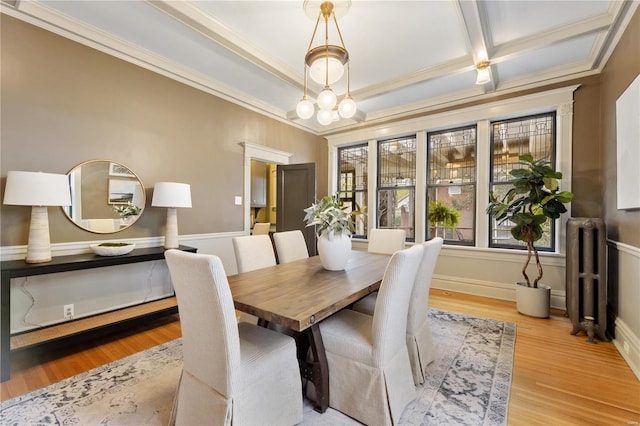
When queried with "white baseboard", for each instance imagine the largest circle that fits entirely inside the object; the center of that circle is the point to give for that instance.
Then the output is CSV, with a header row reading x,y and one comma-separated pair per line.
x,y
628,345
489,289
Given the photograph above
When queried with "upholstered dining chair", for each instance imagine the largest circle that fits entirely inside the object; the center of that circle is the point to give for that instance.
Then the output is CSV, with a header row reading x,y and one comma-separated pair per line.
x,y
419,338
386,241
369,371
253,252
261,228
290,246
238,374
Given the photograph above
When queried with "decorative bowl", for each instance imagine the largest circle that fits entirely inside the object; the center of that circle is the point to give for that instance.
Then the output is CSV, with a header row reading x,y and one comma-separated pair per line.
x,y
112,249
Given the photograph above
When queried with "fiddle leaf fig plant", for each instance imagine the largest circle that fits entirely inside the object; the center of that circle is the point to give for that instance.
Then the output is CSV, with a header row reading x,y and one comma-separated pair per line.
x,y
534,198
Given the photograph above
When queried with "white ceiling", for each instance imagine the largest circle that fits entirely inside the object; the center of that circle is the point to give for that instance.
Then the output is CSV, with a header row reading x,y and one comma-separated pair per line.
x,y
407,57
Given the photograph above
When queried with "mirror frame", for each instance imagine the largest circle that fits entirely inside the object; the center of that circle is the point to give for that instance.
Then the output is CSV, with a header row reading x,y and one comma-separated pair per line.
x,y
116,171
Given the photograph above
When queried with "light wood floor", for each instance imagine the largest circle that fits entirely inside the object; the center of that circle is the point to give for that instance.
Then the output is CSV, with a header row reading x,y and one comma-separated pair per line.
x,y
558,379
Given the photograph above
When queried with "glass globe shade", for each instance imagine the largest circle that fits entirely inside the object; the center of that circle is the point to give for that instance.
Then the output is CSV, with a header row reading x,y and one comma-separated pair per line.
x,y
325,116
305,109
327,99
318,74
347,107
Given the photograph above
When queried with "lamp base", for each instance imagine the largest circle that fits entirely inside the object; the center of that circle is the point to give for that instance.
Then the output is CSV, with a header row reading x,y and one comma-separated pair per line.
x,y
39,245
171,233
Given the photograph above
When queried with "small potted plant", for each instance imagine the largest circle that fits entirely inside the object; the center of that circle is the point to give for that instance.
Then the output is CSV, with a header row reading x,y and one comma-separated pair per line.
x,y
126,211
334,226
534,199
442,217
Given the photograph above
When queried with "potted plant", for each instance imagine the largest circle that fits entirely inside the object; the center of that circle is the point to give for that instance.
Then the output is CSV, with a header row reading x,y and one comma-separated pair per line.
x,y
442,217
126,211
534,199
334,226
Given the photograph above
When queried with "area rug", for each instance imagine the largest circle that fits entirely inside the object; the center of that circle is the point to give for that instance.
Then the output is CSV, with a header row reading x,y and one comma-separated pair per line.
x,y
468,384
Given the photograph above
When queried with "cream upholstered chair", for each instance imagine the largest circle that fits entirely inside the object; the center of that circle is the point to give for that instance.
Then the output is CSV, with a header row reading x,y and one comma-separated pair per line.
x,y
261,228
386,241
290,246
238,374
253,252
369,371
419,337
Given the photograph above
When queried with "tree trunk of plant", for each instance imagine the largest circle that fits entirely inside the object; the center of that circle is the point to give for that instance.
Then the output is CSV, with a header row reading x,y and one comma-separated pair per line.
x,y
535,282
524,268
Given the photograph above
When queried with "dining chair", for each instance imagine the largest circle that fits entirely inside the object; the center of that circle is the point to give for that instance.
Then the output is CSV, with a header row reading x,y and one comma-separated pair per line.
x,y
370,375
261,228
386,241
253,252
290,246
419,338
238,374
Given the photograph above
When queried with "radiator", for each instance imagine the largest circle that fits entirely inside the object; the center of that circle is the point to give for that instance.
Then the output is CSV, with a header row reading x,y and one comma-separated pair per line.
x,y
587,277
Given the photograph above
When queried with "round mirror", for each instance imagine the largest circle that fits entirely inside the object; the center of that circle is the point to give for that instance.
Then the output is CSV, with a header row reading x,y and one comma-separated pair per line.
x,y
106,196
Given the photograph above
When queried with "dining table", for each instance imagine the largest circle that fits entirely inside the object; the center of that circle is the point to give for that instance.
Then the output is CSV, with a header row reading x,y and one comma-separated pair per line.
x,y
299,295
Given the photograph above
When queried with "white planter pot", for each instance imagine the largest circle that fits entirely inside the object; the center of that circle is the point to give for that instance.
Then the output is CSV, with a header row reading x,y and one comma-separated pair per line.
x,y
334,251
534,302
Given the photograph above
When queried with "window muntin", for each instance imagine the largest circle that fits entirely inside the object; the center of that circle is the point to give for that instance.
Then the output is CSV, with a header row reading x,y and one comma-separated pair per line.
x,y
352,182
397,185
510,139
452,181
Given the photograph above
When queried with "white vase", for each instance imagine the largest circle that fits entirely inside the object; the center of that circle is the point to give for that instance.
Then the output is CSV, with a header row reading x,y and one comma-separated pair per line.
x,y
334,250
534,302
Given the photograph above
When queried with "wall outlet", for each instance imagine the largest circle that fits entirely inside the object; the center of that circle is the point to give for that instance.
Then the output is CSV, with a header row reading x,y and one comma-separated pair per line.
x,y
68,311
238,200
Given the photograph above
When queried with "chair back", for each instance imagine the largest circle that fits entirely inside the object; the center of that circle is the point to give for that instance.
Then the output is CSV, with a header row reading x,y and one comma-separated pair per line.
x,y
392,304
386,241
290,246
418,309
253,252
261,228
210,339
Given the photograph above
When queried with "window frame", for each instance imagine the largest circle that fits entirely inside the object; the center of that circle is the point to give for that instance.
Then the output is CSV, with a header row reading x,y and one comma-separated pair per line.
x,y
353,191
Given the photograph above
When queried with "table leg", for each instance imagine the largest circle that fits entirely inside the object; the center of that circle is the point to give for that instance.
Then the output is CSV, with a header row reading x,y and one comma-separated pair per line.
x,y
5,327
316,370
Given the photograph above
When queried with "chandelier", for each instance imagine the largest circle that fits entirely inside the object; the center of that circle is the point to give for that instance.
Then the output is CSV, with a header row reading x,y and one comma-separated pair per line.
x,y
326,65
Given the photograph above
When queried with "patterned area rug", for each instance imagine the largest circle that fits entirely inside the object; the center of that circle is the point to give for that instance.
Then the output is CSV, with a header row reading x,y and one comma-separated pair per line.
x,y
468,384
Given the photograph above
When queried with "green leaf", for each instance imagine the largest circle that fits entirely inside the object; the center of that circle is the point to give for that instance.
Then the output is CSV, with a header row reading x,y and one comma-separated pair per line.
x,y
550,183
526,157
564,196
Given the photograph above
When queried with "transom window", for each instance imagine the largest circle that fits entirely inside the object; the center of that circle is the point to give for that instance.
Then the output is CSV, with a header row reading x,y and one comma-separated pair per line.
x,y
352,182
451,185
397,185
509,140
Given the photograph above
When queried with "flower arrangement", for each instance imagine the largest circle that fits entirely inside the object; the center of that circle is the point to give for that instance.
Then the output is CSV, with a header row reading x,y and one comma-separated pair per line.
x,y
126,210
331,217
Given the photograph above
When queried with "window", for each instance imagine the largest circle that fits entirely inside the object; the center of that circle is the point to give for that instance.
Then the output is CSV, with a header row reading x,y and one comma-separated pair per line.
x,y
397,185
451,185
352,181
509,140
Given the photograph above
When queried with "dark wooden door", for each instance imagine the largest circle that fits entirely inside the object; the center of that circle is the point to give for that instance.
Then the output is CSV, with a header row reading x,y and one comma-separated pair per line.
x,y
296,191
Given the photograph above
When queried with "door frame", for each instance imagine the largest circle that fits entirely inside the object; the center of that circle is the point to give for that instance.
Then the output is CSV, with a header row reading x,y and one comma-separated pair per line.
x,y
257,152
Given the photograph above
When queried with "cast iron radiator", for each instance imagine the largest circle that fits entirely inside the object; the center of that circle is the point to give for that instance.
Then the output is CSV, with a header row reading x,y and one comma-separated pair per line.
x,y
586,277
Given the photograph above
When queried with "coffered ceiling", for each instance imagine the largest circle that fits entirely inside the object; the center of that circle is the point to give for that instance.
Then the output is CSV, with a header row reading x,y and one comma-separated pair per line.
x,y
407,57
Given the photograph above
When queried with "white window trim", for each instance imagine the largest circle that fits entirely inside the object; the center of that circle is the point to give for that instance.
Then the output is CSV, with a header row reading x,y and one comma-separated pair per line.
x,y
558,100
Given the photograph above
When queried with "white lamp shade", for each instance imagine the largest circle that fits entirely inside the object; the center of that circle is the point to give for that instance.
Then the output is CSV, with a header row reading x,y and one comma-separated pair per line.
x,y
318,67
327,99
37,189
325,117
484,76
347,107
171,194
305,109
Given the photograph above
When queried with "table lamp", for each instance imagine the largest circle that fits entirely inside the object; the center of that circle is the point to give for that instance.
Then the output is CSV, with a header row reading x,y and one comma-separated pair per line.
x,y
38,190
171,195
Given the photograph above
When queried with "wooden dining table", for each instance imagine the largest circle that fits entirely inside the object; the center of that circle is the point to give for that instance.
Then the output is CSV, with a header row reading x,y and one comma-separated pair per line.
x,y
299,295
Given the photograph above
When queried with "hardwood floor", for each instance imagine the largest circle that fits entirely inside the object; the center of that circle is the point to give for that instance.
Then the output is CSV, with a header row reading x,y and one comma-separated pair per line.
x,y
558,379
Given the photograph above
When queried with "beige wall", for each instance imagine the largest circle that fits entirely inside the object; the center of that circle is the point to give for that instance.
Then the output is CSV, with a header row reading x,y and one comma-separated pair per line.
x,y
64,103
622,68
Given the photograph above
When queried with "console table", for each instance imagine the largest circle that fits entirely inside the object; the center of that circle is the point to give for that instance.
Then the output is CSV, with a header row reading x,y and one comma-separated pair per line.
x,y
19,268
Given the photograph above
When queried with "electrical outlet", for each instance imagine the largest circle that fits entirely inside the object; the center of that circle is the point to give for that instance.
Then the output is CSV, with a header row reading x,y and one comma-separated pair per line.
x,y
68,311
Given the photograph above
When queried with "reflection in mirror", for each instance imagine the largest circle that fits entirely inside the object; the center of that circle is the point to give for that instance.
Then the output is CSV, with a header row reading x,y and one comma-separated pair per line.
x,y
106,196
